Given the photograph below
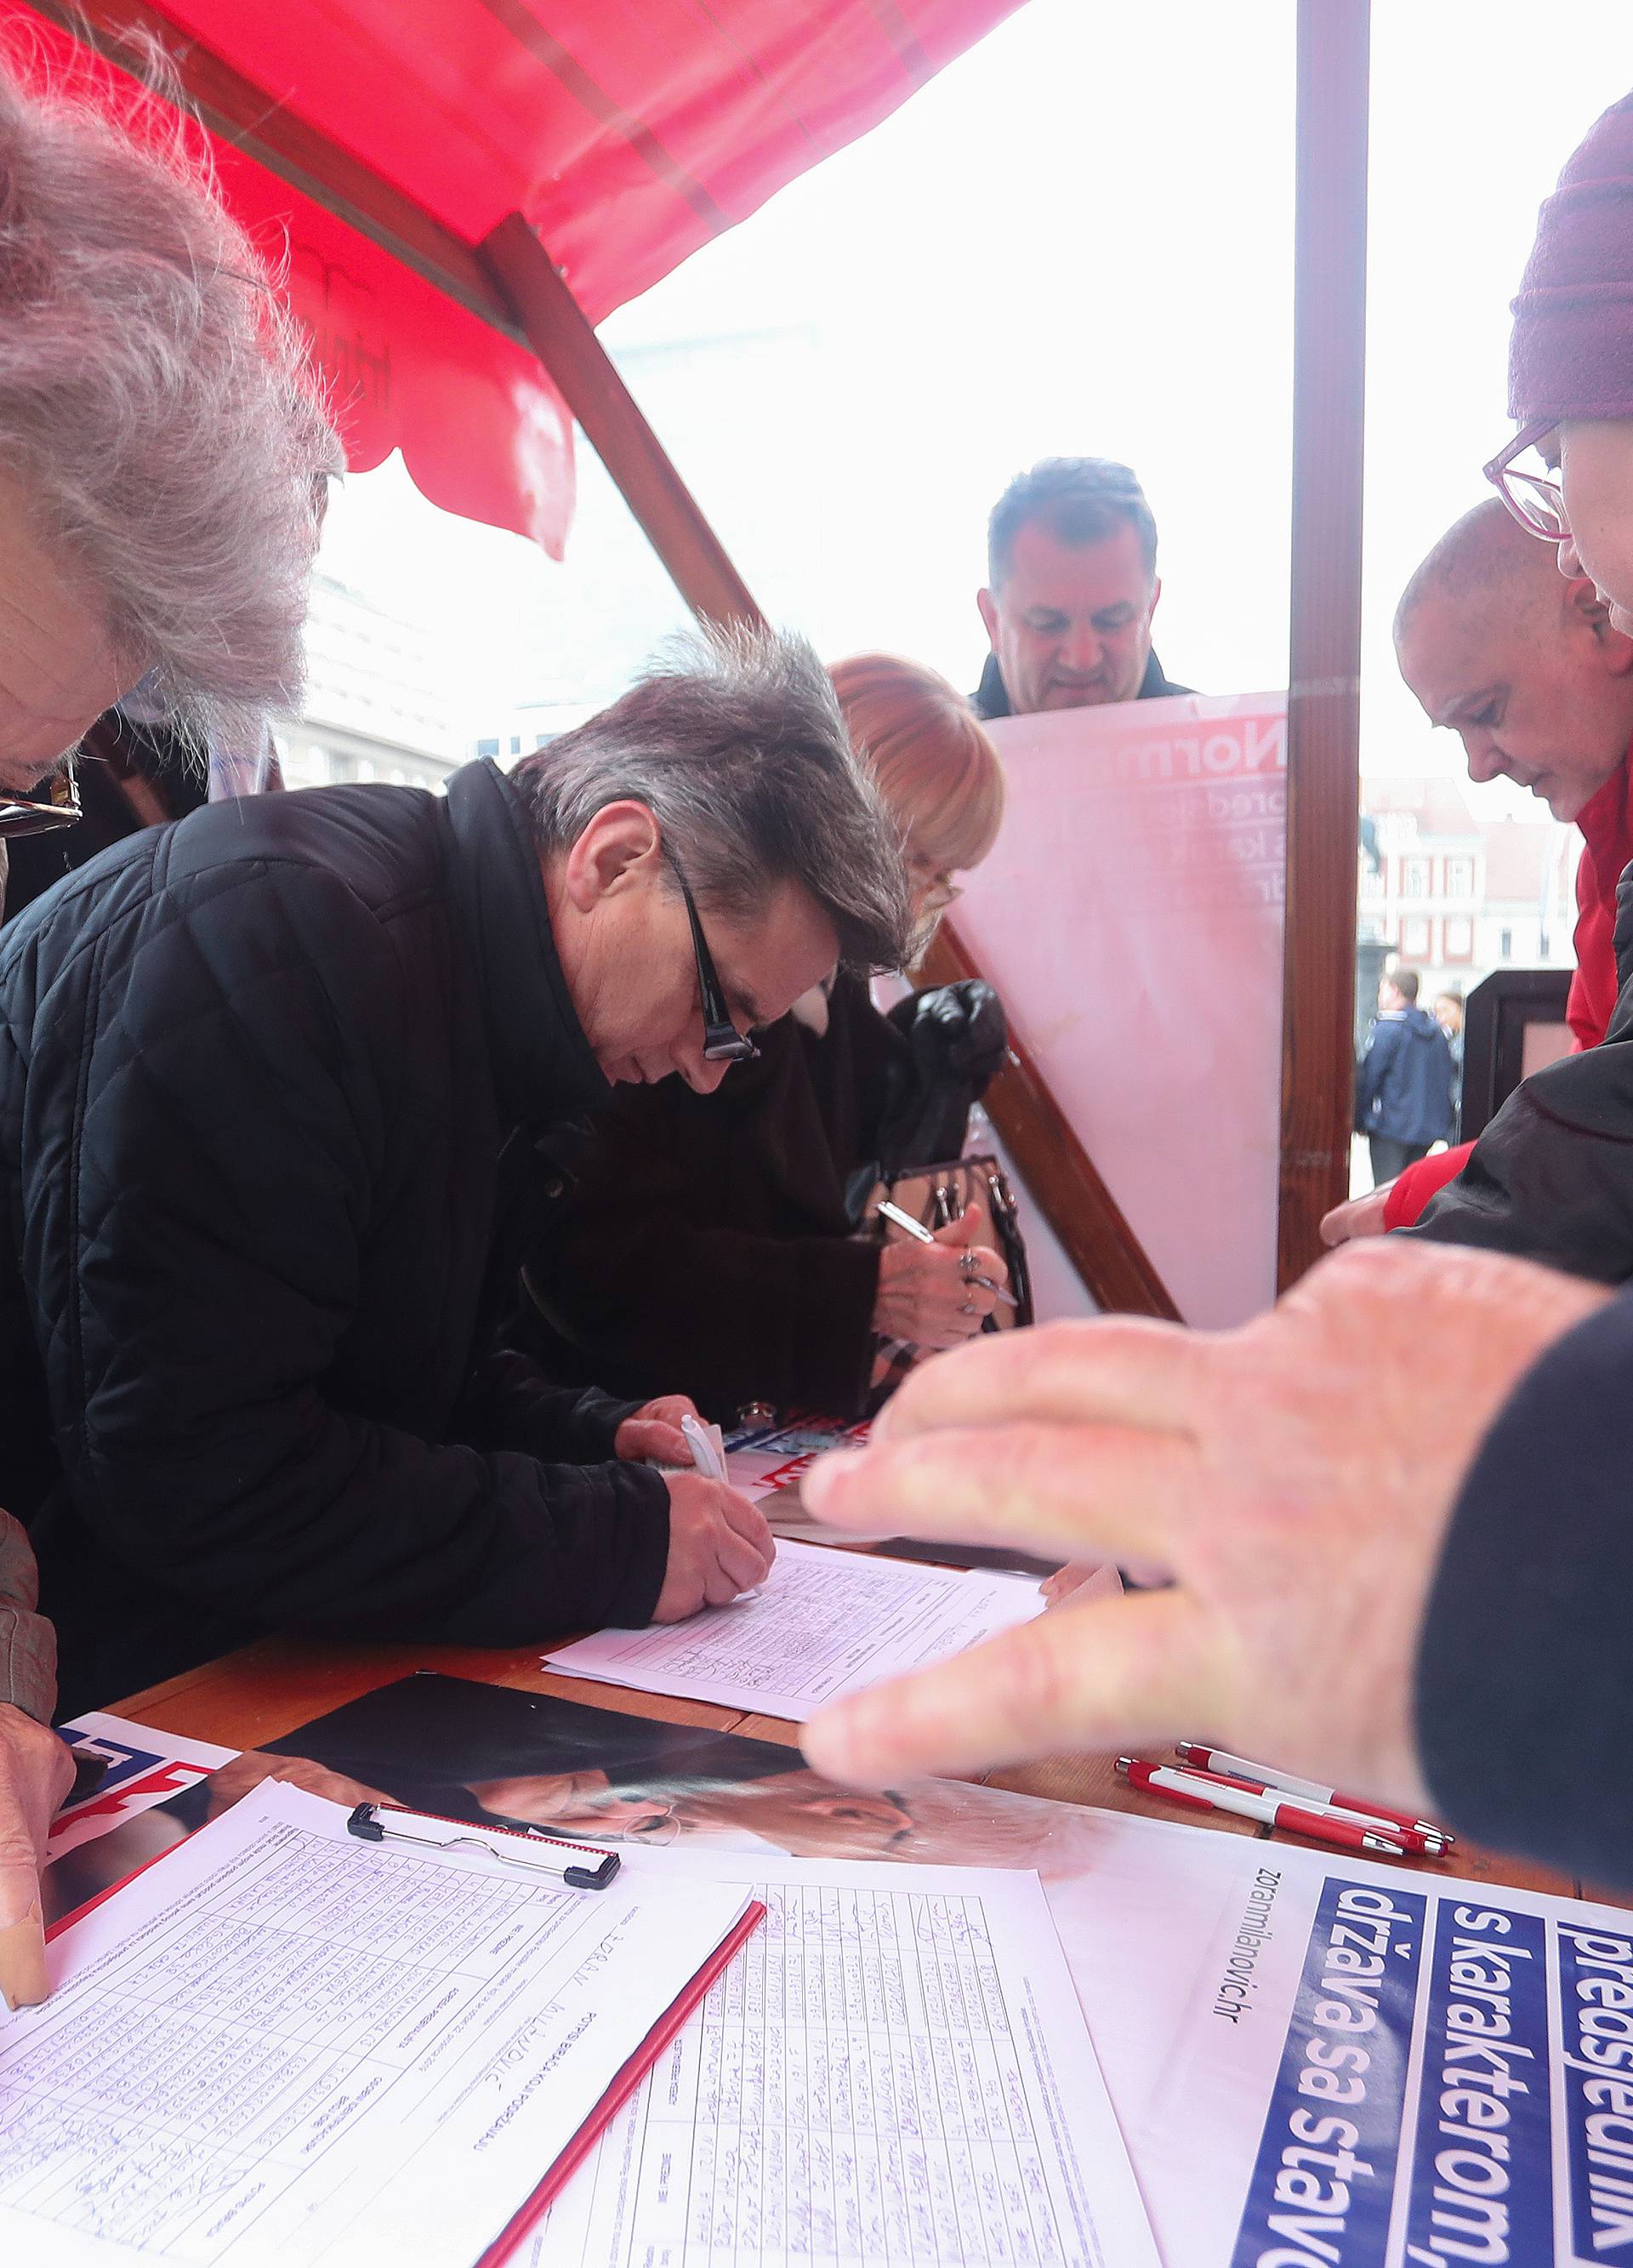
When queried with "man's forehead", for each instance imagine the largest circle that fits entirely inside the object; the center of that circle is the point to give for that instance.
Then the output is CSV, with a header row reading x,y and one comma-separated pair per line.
x,y
1453,647
1044,569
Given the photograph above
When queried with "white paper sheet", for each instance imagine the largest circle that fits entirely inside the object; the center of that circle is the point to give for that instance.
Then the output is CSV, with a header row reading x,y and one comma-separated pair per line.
x,y
893,2069
144,1767
281,2045
824,1624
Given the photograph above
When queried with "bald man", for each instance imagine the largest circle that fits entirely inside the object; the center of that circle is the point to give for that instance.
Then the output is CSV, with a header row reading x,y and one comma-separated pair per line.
x,y
1523,665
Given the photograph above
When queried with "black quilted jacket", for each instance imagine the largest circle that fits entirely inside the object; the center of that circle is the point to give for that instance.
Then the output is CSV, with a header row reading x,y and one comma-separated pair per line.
x,y
257,1070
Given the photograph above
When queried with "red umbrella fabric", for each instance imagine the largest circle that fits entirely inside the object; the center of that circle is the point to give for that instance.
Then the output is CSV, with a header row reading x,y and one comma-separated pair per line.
x,y
627,132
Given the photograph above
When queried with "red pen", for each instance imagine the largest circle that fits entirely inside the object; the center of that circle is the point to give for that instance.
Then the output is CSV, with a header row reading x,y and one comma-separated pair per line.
x,y
1178,1787
1221,1760
1426,1842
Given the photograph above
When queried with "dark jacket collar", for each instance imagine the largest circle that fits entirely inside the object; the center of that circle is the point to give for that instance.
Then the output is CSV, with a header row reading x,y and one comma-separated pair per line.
x,y
542,1065
990,698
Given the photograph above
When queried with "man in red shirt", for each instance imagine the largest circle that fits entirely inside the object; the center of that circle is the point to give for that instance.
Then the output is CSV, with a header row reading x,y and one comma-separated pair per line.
x,y
1525,666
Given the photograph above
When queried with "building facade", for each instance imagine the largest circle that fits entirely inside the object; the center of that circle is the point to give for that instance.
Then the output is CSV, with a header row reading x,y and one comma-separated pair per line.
x,y
377,705
1456,896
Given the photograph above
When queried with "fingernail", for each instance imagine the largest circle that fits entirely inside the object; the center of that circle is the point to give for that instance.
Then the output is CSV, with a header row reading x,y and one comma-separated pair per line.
x,y
23,1961
828,1473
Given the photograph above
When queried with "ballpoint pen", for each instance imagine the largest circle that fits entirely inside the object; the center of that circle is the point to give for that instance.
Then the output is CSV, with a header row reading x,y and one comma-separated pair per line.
x,y
1220,1760
1425,1842
1185,1787
709,1460
917,1228
706,1457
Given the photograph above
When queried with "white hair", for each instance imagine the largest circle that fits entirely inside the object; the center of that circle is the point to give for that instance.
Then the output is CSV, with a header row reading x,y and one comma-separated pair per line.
x,y
155,399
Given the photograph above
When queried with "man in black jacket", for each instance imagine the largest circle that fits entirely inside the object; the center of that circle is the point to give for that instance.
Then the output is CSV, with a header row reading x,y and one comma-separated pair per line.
x,y
269,1080
1071,587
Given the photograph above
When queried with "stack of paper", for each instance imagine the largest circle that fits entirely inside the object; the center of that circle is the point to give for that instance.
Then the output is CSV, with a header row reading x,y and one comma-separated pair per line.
x,y
281,2045
894,2068
826,1622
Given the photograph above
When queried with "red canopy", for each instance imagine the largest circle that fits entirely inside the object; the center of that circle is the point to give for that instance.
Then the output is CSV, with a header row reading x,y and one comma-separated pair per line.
x,y
626,132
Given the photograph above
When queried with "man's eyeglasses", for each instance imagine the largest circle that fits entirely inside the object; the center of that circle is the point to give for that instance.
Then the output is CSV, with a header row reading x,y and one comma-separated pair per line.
x,y
54,803
722,1042
1536,500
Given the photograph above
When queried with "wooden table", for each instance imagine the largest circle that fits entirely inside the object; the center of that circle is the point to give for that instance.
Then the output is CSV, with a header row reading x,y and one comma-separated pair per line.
x,y
270,1689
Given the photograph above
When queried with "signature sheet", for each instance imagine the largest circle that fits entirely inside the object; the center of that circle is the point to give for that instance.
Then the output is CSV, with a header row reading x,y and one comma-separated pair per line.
x,y
281,2045
826,1622
894,2068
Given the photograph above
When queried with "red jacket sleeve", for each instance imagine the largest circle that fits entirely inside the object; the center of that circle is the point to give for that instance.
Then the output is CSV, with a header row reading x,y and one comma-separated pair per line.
x,y
1413,1188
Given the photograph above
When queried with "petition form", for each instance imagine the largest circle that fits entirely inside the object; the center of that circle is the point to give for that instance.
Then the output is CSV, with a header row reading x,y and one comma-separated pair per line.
x,y
893,2069
280,2044
825,1623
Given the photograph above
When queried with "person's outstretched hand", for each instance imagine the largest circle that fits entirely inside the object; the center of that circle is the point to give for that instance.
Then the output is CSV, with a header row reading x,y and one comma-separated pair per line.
x,y
654,1431
1296,1477
36,1773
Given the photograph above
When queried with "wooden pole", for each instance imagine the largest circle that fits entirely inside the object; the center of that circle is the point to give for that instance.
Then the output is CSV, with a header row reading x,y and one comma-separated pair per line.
x,y
563,338
1323,706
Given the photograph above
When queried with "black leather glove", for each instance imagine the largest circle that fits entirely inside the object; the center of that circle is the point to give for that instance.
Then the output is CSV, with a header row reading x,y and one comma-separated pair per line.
x,y
954,1030
956,1036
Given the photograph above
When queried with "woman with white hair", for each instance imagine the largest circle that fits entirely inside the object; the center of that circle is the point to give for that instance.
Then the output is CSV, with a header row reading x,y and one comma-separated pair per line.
x,y
162,455
712,1240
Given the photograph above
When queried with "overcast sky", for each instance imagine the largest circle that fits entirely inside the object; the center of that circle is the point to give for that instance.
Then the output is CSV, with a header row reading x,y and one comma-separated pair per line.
x,y
1076,240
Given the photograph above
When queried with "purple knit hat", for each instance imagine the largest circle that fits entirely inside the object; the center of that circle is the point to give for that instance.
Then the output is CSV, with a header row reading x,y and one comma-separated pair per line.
x,y
1571,352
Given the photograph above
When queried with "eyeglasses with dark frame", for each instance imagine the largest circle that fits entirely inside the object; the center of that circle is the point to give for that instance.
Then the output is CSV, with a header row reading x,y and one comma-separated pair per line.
x,y
722,1042
1538,504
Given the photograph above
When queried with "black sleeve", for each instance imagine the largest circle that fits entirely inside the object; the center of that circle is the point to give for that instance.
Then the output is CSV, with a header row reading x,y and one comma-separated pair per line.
x,y
650,1290
725,1317
197,1257
508,1404
1524,1669
1551,1178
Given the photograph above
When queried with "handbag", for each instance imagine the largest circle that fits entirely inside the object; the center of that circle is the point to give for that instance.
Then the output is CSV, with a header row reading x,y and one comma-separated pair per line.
x,y
936,1195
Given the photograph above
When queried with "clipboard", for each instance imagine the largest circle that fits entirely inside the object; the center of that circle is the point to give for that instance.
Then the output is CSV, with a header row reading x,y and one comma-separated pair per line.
x,y
616,2094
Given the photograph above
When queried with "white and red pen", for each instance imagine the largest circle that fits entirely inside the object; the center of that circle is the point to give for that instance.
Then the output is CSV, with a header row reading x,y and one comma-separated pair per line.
x,y
1203,1791
1308,1791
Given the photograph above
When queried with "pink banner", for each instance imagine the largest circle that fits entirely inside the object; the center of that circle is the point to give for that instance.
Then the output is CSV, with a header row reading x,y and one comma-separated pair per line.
x,y
1131,918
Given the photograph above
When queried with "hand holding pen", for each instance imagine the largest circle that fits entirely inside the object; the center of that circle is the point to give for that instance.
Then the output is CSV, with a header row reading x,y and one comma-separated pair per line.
x,y
938,1290
720,1548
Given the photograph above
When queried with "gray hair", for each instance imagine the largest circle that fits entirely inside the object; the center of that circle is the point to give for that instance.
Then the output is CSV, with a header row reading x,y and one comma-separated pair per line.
x,y
734,741
155,399
1079,499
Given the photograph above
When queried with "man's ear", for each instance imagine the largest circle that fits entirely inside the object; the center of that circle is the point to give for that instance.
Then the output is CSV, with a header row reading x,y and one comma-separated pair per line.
x,y
619,848
987,603
1156,594
1585,607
